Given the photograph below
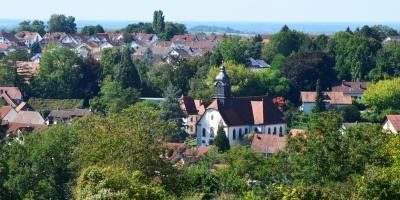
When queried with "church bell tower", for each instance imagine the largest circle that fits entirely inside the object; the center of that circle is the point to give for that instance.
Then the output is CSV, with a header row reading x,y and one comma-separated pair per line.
x,y
222,87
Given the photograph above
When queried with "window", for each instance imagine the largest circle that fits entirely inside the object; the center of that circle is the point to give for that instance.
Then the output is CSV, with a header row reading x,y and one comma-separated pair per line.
x,y
191,128
211,132
191,119
234,134
280,130
204,132
246,131
203,141
255,129
212,117
240,133
269,130
274,131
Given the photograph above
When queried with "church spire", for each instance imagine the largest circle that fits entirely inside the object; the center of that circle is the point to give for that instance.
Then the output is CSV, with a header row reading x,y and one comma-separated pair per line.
x,y
222,87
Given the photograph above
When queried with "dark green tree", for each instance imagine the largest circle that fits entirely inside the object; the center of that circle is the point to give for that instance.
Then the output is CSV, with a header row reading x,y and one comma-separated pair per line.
x,y
61,23
221,141
158,22
319,100
126,73
91,30
169,107
140,27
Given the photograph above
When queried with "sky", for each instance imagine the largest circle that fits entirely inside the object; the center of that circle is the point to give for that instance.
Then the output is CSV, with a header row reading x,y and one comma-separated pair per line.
x,y
209,10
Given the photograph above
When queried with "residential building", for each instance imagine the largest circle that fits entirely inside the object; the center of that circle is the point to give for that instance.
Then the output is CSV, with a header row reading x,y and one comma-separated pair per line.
x,y
392,123
268,144
65,116
257,64
8,38
14,122
353,89
28,38
391,39
238,116
11,95
331,100
192,110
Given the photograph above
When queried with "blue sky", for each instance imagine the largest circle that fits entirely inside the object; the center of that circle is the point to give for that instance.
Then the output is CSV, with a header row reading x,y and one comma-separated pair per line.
x,y
209,10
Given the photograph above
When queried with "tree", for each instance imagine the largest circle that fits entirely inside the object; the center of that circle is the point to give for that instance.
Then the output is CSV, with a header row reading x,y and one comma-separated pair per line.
x,y
387,62
172,29
92,30
169,107
350,113
221,141
234,48
39,168
61,23
304,69
60,75
34,26
116,183
126,72
354,55
8,75
35,48
383,95
158,22
140,27
319,100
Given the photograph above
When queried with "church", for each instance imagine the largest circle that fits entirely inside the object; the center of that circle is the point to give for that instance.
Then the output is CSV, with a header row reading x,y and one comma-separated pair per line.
x,y
237,115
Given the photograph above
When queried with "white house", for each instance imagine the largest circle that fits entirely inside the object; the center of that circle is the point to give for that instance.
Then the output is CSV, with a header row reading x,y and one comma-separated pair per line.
x,y
353,89
331,99
28,38
392,123
237,115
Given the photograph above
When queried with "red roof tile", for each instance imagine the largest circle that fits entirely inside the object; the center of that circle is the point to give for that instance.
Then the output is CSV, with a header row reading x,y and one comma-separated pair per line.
x,y
395,121
333,98
351,87
264,143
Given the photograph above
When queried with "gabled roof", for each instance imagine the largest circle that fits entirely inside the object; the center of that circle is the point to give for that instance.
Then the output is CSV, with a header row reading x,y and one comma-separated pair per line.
x,y
28,117
351,87
190,106
4,111
9,36
12,92
395,121
333,98
26,35
258,63
265,143
249,110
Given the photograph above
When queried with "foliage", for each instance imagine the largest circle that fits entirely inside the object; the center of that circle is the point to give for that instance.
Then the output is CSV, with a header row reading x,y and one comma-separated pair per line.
x,y
38,169
319,99
387,62
234,48
354,54
172,29
140,27
8,76
34,26
61,23
304,69
47,105
350,113
158,22
115,183
60,75
92,30
383,95
221,140
113,98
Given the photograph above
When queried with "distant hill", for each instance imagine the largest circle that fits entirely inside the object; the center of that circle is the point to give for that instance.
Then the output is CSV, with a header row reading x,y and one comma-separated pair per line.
x,y
213,29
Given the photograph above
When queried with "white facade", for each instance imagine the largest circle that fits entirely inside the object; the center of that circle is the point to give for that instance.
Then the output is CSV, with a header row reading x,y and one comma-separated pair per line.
x,y
211,120
389,126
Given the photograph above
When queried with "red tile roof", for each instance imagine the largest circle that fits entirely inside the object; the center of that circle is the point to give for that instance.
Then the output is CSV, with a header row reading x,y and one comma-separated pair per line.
x,y
395,121
334,98
4,111
12,92
189,106
264,143
351,87
26,35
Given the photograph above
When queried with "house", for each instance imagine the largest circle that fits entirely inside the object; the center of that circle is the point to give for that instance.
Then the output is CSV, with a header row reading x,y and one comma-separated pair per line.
x,y
257,65
8,38
391,39
176,54
65,116
28,38
331,100
16,121
192,110
87,49
11,95
353,89
180,153
237,115
392,123
268,144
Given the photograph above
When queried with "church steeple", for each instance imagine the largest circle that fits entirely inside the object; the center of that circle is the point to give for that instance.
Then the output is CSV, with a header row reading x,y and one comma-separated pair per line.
x,y
222,87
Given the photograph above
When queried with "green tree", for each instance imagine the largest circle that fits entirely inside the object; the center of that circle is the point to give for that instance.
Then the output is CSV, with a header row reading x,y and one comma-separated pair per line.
x,y
387,62
383,95
234,48
169,107
35,48
34,26
319,99
60,75
39,168
350,113
172,29
92,30
116,183
61,23
140,27
126,72
221,141
8,75
158,22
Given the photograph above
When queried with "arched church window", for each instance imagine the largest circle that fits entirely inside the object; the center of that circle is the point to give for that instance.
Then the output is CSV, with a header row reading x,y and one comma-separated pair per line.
x,y
204,132
234,134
